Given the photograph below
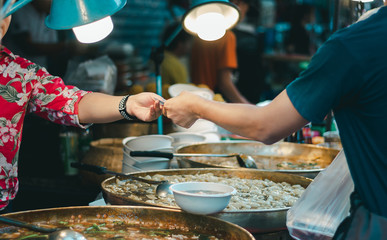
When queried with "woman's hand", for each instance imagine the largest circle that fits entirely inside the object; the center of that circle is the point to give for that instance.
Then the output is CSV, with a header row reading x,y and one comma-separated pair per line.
x,y
145,106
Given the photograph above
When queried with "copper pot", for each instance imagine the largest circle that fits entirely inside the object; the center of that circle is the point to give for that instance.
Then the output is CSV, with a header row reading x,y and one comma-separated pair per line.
x,y
142,216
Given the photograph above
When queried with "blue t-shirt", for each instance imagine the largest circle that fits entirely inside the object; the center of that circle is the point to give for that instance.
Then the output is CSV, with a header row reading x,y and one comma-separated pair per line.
x,y
349,75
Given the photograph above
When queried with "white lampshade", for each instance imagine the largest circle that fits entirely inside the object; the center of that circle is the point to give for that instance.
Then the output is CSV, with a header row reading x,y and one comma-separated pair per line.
x,y
210,19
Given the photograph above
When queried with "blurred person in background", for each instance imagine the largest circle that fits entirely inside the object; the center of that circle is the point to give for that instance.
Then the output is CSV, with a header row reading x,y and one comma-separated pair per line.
x,y
250,73
298,40
213,62
26,87
173,68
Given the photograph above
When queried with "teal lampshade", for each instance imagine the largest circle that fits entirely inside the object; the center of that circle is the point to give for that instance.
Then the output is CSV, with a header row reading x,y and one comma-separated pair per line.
x,y
67,14
89,19
210,19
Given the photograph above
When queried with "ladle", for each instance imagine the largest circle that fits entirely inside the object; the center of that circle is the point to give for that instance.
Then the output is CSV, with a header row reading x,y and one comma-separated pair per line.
x,y
53,233
244,160
162,189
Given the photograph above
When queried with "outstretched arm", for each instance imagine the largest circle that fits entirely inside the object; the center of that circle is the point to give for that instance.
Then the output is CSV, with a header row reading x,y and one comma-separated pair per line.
x,y
103,108
267,124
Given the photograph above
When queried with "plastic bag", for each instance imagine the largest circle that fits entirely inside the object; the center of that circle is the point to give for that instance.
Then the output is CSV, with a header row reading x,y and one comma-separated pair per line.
x,y
324,204
97,75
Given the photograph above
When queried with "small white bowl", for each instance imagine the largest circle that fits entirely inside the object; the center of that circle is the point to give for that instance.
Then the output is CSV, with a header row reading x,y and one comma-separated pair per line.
x,y
200,126
127,168
204,93
149,142
212,137
125,140
175,89
156,164
169,149
202,197
186,137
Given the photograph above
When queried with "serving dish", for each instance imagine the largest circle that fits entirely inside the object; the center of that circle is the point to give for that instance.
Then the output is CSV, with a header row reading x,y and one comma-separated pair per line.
x,y
300,159
254,220
161,222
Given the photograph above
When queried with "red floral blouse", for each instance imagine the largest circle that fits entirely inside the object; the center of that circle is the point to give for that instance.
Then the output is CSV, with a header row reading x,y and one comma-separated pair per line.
x,y
25,86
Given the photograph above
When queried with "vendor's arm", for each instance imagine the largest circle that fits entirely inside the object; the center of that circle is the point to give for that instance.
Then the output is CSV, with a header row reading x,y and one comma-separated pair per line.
x,y
267,124
102,108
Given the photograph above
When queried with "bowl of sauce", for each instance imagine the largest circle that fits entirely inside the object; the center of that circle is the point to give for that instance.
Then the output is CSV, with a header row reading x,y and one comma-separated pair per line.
x,y
202,197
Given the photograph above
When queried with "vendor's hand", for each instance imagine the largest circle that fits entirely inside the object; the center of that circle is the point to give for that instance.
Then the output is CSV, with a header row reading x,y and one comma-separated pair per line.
x,y
180,109
145,106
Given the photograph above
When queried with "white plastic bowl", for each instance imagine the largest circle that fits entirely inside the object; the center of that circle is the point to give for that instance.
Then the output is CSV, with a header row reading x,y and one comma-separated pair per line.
x,y
175,89
127,168
125,140
204,93
149,142
156,164
138,160
202,197
200,126
169,149
186,137
212,137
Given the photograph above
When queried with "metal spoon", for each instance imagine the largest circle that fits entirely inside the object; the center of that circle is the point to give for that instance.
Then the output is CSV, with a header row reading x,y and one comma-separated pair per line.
x,y
247,160
244,160
66,234
53,233
162,189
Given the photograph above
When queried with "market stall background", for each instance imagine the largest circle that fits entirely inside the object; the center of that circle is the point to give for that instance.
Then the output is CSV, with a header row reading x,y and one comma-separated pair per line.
x,y
46,182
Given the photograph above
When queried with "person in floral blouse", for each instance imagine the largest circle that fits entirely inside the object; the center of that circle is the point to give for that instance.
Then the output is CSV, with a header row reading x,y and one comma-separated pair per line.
x,y
27,87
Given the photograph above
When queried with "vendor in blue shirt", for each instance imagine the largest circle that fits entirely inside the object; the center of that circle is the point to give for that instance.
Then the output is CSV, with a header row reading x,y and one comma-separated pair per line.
x,y
348,75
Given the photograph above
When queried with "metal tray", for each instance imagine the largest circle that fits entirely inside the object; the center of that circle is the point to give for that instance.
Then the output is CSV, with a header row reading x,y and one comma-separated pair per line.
x,y
266,156
255,221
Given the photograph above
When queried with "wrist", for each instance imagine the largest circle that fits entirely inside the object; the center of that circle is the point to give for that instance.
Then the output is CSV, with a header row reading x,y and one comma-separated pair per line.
x,y
122,108
196,106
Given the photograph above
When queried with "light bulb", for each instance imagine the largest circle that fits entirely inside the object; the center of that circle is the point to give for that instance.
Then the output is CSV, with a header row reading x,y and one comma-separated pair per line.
x,y
210,26
95,31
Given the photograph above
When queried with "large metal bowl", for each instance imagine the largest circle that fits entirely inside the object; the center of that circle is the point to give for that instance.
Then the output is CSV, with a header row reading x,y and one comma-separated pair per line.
x,y
255,221
266,156
142,215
